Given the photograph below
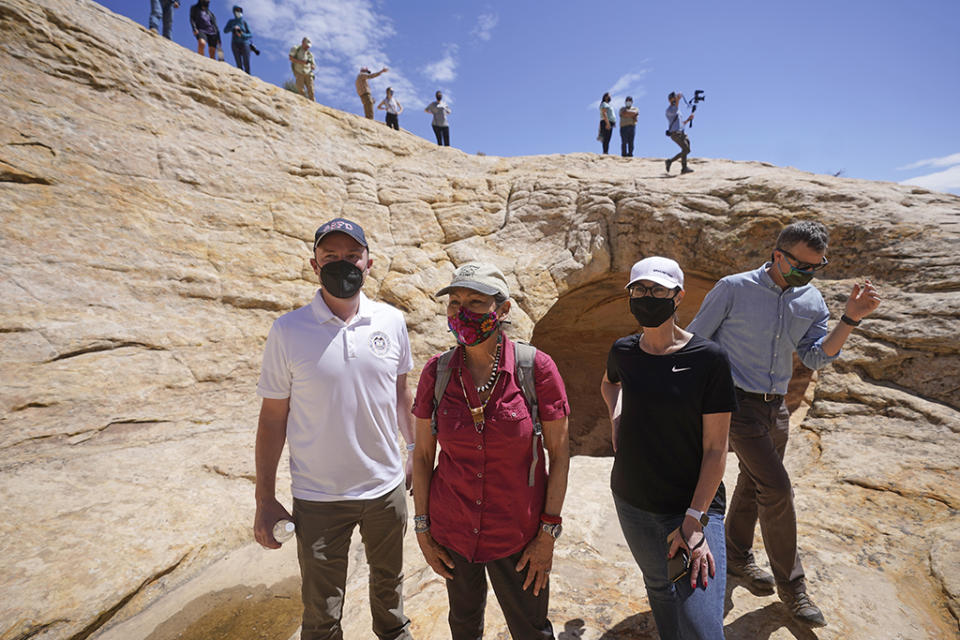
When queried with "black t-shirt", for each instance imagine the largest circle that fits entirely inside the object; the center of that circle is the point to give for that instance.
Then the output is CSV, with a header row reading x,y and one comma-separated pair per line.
x,y
660,441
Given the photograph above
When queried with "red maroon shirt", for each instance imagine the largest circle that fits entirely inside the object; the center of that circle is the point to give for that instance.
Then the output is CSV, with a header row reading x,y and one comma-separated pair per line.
x,y
480,503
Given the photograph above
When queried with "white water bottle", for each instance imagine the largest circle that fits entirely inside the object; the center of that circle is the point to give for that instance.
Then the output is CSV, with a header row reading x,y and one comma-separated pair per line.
x,y
283,530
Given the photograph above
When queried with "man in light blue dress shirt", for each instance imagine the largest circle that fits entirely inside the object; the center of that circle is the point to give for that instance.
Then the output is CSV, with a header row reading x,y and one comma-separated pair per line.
x,y
760,318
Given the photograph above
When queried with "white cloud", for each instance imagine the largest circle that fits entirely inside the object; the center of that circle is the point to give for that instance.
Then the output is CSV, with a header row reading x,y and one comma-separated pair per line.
x,y
947,180
444,69
346,35
629,84
945,161
486,22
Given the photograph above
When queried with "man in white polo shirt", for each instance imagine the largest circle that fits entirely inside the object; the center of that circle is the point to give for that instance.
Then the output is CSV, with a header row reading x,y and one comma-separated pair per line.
x,y
334,386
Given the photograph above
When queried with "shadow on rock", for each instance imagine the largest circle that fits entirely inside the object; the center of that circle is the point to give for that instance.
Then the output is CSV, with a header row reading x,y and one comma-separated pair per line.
x,y
762,623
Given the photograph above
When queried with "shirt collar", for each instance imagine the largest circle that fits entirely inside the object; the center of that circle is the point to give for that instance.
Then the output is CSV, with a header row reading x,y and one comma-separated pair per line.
x,y
763,277
323,313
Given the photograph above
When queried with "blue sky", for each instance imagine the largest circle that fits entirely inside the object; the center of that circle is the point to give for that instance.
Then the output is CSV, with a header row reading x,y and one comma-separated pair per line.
x,y
871,89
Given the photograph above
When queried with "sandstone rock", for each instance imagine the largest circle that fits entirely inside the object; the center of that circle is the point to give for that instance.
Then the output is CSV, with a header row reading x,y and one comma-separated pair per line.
x,y
157,211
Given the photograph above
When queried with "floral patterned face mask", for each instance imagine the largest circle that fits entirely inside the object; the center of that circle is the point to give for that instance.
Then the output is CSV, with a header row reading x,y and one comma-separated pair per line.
x,y
472,328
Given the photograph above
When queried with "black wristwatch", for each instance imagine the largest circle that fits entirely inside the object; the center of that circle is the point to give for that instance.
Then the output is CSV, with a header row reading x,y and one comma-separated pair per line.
x,y
845,319
699,516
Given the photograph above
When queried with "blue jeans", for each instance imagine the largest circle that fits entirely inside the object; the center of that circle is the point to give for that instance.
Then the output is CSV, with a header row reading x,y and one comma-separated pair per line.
x,y
162,9
241,53
679,611
627,134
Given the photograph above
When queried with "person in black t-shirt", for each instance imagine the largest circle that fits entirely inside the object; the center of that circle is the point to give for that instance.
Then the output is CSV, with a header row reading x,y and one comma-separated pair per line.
x,y
670,447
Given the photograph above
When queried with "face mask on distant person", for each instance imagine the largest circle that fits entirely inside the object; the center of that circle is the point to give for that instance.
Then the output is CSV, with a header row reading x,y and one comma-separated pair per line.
x,y
796,278
238,14
629,103
341,279
471,328
650,311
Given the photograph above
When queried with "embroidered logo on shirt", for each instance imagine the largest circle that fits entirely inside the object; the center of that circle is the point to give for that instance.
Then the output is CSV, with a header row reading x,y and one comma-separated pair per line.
x,y
379,343
675,370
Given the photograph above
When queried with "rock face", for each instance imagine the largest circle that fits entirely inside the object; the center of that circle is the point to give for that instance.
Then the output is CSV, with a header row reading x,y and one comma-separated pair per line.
x,y
157,209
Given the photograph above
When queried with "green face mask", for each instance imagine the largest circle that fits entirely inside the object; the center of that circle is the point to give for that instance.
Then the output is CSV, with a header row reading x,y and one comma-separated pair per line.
x,y
795,277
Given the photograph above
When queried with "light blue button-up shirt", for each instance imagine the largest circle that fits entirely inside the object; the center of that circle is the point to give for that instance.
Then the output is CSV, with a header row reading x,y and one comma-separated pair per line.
x,y
760,325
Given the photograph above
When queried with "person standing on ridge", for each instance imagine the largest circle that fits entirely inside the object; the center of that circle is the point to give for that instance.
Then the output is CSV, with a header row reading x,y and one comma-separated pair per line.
x,y
607,121
394,109
676,132
162,9
334,387
628,127
440,111
760,318
363,89
303,67
240,43
204,25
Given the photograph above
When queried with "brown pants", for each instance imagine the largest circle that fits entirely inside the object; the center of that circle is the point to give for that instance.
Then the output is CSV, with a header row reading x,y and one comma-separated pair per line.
x,y
758,435
304,85
526,614
367,100
323,540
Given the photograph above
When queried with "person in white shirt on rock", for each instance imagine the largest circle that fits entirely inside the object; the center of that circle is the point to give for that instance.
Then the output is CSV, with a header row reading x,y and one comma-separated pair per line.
x,y
394,109
334,386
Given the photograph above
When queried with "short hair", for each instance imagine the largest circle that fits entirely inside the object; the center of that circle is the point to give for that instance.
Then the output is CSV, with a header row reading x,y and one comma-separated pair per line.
x,y
671,96
811,233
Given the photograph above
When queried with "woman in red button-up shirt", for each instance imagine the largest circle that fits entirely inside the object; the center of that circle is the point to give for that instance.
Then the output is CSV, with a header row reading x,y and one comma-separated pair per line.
x,y
492,505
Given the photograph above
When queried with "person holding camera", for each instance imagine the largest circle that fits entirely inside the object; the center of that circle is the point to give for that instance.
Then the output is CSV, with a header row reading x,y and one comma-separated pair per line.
x,y
394,109
240,43
303,66
670,451
676,133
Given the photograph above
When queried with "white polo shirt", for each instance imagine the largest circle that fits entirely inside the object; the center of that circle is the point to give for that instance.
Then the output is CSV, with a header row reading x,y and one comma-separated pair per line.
x,y
341,379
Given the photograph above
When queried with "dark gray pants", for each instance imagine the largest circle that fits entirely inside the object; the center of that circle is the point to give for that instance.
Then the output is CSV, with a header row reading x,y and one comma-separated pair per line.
x,y
684,142
323,540
526,614
758,435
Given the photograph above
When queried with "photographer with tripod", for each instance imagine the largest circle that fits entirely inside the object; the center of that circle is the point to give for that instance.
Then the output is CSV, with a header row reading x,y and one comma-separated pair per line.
x,y
675,129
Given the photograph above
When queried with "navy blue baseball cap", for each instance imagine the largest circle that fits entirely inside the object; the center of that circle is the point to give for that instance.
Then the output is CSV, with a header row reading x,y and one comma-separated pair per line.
x,y
339,225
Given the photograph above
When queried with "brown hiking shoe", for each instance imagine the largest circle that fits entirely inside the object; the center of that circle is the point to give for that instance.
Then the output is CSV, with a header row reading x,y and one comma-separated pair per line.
x,y
802,608
756,580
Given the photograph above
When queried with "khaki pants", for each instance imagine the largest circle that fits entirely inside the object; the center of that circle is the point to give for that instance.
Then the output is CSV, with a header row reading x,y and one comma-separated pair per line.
x,y
758,435
367,100
304,85
323,540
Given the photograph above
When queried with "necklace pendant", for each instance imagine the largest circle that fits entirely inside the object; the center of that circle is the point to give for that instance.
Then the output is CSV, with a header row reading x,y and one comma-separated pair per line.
x,y
477,414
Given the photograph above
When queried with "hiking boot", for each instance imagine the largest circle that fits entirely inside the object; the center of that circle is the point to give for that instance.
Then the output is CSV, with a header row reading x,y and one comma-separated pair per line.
x,y
756,580
686,170
669,162
802,608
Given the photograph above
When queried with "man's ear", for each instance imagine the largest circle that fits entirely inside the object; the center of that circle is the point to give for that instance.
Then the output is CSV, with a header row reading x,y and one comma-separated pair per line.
x,y
369,264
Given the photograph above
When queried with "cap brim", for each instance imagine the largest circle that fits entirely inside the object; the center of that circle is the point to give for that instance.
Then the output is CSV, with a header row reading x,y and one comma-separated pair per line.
x,y
468,284
663,282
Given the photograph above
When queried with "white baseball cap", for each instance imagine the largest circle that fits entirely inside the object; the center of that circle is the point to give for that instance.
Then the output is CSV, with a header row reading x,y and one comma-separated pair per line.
x,y
663,271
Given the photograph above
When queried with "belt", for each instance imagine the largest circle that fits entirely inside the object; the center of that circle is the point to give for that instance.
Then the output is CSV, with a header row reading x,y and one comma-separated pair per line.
x,y
763,397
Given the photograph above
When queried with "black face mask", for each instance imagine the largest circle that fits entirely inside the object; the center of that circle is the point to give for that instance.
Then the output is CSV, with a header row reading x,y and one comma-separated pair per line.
x,y
341,279
650,311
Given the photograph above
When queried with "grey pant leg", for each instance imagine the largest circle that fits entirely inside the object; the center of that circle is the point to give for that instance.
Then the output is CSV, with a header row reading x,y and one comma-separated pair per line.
x,y
382,526
467,596
684,143
525,613
323,542
758,435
